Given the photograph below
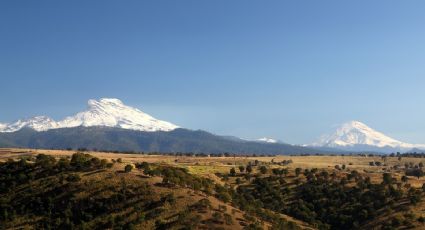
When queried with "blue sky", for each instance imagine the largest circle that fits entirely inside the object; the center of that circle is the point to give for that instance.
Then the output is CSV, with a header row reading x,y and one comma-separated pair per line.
x,y
290,70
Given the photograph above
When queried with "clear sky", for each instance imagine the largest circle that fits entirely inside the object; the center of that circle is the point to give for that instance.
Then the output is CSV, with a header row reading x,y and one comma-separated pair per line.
x,y
290,70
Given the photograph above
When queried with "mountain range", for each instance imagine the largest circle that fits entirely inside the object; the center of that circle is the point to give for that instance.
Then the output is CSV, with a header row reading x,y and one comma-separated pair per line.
x,y
109,124
106,112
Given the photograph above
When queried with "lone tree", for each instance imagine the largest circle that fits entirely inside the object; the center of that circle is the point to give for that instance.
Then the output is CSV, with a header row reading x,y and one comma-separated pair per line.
x,y
276,171
387,179
298,171
404,179
249,169
241,168
415,172
128,168
232,172
263,169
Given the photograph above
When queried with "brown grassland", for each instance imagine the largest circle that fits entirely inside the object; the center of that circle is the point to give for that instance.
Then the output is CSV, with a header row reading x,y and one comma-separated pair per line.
x,y
212,167
208,166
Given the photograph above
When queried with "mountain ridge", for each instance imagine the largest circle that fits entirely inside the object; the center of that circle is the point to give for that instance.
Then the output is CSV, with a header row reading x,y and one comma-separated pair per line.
x,y
118,139
110,112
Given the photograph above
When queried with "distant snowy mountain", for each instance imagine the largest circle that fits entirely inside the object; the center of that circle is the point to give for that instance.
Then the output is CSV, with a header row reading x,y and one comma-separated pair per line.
x,y
113,113
105,112
356,136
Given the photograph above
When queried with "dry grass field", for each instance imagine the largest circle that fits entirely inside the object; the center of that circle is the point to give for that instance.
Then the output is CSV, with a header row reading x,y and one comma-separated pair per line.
x,y
208,166
213,167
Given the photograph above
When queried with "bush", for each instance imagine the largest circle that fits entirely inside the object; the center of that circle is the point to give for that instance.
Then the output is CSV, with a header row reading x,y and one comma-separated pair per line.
x,y
241,168
232,172
415,172
128,168
263,169
404,179
238,181
73,178
217,217
298,171
228,219
249,169
45,161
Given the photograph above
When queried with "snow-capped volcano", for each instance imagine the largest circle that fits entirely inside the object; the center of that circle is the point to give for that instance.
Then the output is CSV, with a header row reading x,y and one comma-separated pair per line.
x,y
104,112
356,135
113,113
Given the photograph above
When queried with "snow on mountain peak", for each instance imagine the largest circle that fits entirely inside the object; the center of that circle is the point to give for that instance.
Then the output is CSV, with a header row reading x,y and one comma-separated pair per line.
x,y
357,133
267,140
108,112
39,123
105,101
113,113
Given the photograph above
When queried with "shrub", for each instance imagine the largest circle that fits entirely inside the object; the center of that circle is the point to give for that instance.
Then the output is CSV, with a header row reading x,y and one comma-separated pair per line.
x,y
128,168
228,219
298,171
249,169
232,172
73,178
238,181
263,169
241,168
415,172
387,179
217,217
404,179
45,161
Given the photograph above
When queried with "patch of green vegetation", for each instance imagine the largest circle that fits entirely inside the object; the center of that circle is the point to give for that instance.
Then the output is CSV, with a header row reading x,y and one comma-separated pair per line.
x,y
324,200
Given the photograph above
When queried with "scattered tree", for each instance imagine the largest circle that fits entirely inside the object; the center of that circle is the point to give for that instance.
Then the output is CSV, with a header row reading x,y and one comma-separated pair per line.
x,y
263,169
249,169
241,168
232,172
128,168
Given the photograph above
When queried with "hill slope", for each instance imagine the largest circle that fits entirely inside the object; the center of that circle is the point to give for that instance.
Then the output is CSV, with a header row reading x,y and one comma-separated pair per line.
x,y
85,192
